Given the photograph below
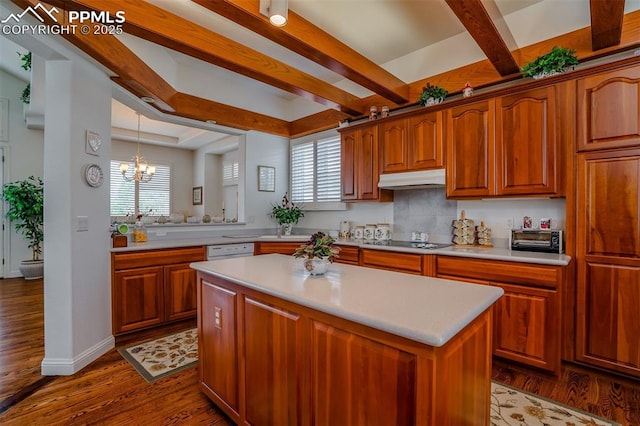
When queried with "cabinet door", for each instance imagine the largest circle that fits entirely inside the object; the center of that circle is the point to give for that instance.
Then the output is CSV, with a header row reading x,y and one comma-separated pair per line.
x,y
345,364
426,141
470,135
368,167
393,146
218,345
607,311
180,291
526,143
348,166
274,366
609,110
525,326
137,298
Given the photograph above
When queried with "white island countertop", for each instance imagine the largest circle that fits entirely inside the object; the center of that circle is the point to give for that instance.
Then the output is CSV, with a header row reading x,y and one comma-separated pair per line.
x,y
425,309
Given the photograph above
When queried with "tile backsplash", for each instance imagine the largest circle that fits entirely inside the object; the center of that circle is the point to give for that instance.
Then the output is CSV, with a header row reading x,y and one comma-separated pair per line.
x,y
425,210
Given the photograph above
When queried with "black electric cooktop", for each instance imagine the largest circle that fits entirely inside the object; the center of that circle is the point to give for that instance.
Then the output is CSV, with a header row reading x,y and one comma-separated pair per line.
x,y
408,244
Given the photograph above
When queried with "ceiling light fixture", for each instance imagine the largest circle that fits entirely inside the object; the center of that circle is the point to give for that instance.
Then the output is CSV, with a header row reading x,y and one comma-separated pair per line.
x,y
147,99
276,10
142,172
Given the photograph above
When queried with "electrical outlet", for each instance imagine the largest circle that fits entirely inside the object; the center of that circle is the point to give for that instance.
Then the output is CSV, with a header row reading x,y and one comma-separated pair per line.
x,y
218,317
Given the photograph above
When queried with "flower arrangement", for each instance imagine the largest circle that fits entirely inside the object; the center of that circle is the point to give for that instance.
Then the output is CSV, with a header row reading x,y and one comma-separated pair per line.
x,y
319,246
286,212
435,93
554,62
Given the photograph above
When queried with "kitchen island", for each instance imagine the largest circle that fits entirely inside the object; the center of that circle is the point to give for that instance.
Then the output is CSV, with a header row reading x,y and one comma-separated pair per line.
x,y
355,346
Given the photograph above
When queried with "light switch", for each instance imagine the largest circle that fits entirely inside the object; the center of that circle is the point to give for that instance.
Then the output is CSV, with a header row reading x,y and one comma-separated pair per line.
x,y
82,223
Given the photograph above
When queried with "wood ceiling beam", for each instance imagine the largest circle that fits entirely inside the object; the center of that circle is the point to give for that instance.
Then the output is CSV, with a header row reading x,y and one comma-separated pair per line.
x,y
159,26
308,40
606,23
475,18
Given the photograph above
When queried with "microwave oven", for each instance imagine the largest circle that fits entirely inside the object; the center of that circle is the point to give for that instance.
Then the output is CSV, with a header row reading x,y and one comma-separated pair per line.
x,y
541,240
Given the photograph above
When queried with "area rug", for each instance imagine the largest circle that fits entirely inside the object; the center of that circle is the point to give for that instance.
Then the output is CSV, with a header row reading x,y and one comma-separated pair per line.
x,y
159,358
515,407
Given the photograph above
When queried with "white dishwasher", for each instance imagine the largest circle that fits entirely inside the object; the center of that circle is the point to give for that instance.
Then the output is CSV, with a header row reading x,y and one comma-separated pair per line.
x,y
224,251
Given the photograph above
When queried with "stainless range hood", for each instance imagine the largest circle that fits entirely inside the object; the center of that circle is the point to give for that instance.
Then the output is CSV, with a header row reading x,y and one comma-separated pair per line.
x,y
412,180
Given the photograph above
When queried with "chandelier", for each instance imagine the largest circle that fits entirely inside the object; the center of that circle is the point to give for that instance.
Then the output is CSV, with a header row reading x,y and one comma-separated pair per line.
x,y
142,172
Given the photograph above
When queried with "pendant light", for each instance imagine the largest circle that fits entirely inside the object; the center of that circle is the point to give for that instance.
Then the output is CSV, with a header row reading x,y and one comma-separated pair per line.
x,y
142,172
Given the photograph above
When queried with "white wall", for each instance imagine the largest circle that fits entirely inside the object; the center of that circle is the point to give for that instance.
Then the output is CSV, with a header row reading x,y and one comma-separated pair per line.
x,y
23,158
180,160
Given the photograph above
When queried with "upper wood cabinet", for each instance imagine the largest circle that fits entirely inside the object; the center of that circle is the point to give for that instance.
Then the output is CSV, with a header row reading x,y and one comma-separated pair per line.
x,y
608,110
470,134
413,143
505,146
361,167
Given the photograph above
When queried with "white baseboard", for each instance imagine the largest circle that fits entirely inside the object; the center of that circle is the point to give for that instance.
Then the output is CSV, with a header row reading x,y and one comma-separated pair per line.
x,y
67,367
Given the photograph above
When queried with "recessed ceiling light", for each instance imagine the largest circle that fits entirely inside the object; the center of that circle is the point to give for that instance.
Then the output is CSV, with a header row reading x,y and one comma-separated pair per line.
x,y
211,121
147,99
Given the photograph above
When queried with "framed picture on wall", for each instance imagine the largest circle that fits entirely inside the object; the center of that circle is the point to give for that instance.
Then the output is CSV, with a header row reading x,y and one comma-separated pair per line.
x,y
266,179
197,195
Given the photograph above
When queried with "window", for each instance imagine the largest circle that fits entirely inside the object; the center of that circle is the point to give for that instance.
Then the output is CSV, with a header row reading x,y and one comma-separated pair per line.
x,y
315,171
131,197
230,173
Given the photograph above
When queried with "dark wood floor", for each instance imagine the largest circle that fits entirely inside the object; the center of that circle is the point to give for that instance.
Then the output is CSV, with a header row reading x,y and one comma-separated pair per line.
x,y
111,392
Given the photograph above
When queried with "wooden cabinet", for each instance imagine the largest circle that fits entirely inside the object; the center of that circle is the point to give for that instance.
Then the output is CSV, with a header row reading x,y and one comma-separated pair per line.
x,y
608,110
361,167
527,319
470,135
414,143
153,287
348,254
265,360
505,146
392,261
608,260
280,247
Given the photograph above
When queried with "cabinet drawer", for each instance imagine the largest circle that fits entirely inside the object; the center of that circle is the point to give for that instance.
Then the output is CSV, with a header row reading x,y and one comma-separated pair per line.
x,y
280,248
157,257
487,270
392,261
348,254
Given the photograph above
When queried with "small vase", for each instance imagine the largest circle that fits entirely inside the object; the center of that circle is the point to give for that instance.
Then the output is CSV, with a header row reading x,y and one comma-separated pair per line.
x,y
286,228
316,266
433,101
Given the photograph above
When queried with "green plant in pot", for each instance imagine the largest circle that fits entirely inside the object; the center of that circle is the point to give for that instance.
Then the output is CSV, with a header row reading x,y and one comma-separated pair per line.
x,y
432,95
26,202
317,253
286,214
558,60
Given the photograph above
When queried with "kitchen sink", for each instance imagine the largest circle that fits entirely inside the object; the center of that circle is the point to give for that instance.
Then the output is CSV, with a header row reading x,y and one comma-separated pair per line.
x,y
285,237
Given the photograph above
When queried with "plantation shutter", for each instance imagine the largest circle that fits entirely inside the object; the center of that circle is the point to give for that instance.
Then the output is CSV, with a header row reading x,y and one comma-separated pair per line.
x,y
302,172
315,171
328,170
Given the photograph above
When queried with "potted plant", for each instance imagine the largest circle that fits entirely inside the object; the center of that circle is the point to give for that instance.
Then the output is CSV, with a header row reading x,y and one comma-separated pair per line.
x,y
26,202
558,60
317,253
286,214
25,97
432,95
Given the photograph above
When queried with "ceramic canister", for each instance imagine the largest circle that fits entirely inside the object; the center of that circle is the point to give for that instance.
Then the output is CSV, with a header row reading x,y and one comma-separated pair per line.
x,y
369,231
358,232
382,232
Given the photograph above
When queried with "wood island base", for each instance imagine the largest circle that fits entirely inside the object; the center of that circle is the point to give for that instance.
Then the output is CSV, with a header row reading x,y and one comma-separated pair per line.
x,y
269,361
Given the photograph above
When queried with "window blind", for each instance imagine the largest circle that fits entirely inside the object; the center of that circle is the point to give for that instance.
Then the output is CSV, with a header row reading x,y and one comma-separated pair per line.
x,y
315,171
129,197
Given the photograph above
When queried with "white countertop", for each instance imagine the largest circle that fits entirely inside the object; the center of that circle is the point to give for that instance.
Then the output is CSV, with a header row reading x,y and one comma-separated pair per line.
x,y
502,254
424,309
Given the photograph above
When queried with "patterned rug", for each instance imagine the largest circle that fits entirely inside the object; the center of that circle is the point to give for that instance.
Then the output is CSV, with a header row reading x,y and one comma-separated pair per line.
x,y
515,407
509,406
159,358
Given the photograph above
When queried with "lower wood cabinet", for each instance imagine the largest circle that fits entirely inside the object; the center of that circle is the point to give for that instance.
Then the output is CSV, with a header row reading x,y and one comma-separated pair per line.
x,y
153,287
286,247
267,361
527,319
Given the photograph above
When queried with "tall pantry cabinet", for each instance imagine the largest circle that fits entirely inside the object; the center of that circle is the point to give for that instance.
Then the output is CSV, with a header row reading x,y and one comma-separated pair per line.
x,y
608,220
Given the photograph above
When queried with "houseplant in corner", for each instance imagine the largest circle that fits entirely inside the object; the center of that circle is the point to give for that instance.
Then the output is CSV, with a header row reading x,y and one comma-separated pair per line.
x,y
286,214
558,60
317,253
26,202
432,95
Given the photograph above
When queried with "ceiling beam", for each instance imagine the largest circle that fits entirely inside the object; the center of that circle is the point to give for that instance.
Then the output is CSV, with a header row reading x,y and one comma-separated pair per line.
x,y
159,26
308,40
478,23
606,23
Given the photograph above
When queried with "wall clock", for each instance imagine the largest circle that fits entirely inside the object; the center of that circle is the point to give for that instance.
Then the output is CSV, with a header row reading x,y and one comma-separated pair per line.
x,y
93,175
93,143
